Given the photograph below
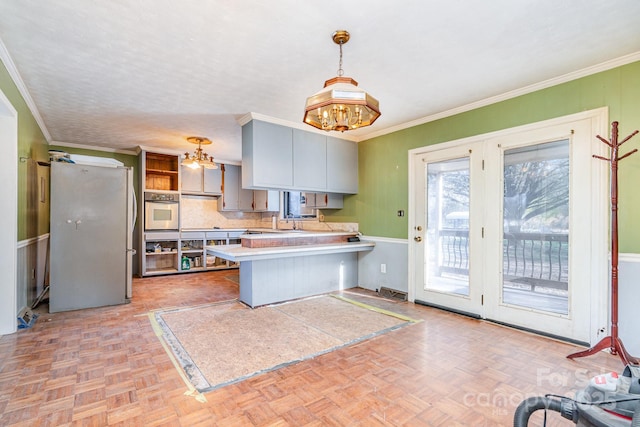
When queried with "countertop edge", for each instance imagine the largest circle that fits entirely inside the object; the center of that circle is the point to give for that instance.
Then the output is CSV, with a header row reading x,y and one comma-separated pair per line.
x,y
240,253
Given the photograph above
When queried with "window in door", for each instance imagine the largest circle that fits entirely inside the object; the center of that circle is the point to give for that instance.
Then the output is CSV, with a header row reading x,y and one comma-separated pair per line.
x,y
536,226
512,226
447,251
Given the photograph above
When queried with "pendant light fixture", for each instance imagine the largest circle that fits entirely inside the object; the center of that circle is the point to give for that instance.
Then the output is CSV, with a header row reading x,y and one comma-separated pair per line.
x,y
341,105
199,158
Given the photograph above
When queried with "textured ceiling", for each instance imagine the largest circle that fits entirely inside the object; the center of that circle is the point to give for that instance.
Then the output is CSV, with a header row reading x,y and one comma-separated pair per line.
x,y
122,73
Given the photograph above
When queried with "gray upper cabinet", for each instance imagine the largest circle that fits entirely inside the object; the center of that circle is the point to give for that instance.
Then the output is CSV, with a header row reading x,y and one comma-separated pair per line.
x,y
245,200
201,181
342,166
212,181
309,161
278,157
230,200
190,180
324,200
236,198
267,155
266,201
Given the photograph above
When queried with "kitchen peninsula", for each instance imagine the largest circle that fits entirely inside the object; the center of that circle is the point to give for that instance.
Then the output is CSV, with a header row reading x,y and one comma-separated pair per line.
x,y
276,267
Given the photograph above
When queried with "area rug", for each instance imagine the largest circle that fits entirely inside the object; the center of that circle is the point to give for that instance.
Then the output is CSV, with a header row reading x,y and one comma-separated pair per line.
x,y
220,344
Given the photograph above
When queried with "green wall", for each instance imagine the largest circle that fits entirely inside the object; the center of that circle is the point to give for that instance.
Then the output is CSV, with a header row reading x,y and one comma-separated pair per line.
x,y
383,169
128,159
33,215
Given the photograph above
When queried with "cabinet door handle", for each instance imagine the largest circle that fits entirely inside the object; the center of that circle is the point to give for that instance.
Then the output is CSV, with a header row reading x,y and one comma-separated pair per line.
x,y
418,239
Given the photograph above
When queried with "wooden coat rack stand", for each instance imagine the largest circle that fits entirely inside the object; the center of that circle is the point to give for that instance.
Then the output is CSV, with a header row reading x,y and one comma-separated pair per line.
x,y
613,342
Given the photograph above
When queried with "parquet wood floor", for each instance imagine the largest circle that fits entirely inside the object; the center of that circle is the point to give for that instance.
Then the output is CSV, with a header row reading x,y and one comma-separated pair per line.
x,y
105,367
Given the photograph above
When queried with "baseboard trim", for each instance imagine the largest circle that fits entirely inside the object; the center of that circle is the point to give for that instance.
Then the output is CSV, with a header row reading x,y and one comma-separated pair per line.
x,y
541,333
520,328
450,310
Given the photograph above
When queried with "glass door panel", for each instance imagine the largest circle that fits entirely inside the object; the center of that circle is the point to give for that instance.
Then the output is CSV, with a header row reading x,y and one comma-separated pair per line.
x,y
512,226
444,238
536,227
447,245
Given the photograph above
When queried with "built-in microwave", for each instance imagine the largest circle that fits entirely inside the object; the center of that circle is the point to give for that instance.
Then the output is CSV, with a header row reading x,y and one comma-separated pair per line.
x,y
161,211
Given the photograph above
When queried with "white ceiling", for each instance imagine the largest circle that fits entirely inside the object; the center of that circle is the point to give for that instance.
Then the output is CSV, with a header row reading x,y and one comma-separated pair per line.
x,y
116,74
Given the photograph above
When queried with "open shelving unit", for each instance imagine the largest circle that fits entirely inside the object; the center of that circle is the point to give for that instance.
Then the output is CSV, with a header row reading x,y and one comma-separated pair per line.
x,y
161,172
193,250
161,257
164,251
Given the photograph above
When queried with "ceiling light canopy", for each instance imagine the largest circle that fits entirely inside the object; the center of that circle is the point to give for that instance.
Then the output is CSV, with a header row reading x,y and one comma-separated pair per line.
x,y
341,105
199,158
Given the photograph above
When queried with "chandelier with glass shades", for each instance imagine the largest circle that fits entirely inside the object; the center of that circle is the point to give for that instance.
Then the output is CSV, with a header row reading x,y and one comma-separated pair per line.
x,y
341,105
199,158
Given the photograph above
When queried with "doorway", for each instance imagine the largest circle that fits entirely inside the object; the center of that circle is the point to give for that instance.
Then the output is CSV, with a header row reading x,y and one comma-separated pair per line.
x,y
9,194
501,226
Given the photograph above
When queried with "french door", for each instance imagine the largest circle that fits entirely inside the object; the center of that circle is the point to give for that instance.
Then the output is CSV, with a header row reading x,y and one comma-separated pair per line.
x,y
502,227
448,270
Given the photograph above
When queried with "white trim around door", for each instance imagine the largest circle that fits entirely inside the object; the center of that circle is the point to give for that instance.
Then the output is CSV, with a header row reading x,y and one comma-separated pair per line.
x,y
585,319
9,236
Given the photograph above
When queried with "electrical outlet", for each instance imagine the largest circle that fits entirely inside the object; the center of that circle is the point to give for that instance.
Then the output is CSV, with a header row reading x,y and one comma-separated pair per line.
x,y
383,268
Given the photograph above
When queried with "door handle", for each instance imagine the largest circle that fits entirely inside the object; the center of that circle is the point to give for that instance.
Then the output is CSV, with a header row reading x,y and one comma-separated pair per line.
x,y
418,239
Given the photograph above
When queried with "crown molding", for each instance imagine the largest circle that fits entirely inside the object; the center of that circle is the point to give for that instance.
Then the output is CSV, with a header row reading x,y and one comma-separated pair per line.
x,y
160,150
93,148
22,88
574,75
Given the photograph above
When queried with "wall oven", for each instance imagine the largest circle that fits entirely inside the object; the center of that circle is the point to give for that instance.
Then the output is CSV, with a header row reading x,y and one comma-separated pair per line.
x,y
161,211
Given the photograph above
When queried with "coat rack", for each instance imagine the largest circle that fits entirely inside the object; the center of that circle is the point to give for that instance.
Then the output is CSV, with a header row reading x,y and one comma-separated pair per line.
x,y
612,341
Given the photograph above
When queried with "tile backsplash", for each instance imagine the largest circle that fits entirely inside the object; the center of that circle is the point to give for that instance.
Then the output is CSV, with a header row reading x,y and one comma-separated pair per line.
x,y
202,212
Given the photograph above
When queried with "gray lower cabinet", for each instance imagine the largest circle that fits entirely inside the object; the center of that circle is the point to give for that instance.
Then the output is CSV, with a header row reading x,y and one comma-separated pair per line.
x,y
221,237
191,255
173,252
161,255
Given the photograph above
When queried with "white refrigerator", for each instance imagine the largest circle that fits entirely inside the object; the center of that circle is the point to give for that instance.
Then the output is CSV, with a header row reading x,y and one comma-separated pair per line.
x,y
91,225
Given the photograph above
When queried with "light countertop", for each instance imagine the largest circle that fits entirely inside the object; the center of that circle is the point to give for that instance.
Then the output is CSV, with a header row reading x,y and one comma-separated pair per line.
x,y
186,230
269,233
240,253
